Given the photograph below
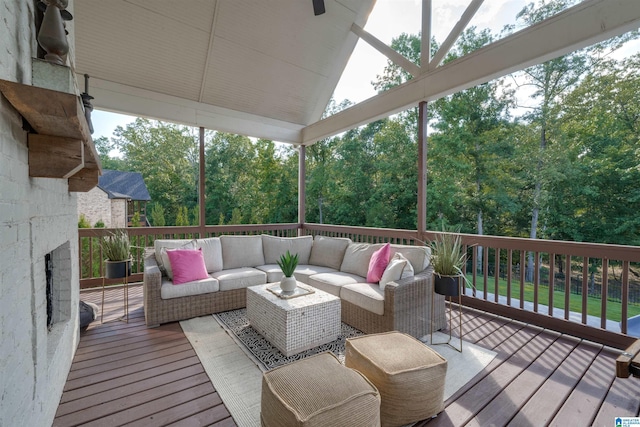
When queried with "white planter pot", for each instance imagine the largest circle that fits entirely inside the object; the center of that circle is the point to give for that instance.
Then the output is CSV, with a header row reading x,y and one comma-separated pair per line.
x,y
288,284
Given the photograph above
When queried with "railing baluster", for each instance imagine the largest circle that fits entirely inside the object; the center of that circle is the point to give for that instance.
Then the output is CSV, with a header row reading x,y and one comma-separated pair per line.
x,y
604,293
509,272
585,288
474,270
496,274
522,274
567,287
536,280
485,271
552,274
625,296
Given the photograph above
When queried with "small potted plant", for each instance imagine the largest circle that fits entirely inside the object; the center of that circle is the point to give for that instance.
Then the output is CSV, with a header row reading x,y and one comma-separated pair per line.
x,y
447,260
288,264
116,248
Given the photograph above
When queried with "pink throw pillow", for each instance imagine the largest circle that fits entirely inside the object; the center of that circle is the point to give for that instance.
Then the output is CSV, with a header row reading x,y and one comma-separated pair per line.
x,y
187,265
378,263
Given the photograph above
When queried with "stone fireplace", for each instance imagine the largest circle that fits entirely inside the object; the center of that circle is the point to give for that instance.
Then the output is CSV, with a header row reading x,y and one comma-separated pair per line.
x,y
57,266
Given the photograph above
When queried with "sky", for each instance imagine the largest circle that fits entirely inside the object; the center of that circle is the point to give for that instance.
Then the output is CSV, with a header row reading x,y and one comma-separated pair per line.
x,y
388,19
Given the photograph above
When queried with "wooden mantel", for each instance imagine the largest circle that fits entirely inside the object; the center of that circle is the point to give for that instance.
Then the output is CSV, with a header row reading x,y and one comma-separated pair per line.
x,y
62,147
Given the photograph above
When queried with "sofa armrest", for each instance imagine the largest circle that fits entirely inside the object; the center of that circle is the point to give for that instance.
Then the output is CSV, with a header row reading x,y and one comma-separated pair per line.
x,y
409,301
152,281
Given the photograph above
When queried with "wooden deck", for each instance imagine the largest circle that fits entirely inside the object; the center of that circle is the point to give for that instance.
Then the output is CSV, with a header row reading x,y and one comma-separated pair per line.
x,y
126,374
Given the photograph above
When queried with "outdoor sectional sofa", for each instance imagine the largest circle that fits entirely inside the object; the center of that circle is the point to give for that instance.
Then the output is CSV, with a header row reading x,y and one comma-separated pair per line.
x,y
335,265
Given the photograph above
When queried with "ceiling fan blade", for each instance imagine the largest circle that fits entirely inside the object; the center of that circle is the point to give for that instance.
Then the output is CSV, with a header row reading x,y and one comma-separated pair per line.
x,y
318,7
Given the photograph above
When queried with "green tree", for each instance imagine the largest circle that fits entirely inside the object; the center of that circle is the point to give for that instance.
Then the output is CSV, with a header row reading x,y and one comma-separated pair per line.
x,y
157,215
195,215
230,178
166,156
104,148
597,194
549,81
135,220
182,217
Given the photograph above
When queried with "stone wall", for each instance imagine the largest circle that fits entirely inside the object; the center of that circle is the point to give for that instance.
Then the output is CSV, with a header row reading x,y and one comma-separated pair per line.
x,y
119,213
95,205
37,216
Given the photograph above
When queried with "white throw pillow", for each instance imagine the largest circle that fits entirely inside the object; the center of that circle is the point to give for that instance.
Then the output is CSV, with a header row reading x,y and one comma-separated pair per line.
x,y
399,268
175,244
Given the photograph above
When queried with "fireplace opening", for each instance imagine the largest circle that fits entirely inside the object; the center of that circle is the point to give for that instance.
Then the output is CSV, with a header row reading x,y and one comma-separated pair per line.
x,y
48,266
57,282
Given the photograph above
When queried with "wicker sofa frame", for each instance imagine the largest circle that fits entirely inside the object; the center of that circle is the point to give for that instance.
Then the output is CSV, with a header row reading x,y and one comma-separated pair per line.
x,y
407,306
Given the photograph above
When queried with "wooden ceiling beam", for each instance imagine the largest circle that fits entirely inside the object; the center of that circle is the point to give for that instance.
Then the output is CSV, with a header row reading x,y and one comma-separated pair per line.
x,y
55,156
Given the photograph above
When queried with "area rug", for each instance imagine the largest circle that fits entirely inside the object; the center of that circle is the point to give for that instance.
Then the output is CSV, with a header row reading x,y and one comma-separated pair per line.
x,y
234,356
268,357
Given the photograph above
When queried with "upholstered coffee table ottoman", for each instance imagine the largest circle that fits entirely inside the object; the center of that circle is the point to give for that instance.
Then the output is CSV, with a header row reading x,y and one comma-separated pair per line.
x,y
318,391
408,374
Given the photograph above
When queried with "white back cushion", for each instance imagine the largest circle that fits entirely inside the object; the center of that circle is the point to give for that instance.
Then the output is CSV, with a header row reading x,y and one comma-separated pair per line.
x,y
241,251
419,256
212,253
356,258
274,247
328,251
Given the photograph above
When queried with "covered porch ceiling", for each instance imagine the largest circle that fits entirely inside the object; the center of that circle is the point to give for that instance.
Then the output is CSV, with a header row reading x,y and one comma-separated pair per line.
x,y
268,68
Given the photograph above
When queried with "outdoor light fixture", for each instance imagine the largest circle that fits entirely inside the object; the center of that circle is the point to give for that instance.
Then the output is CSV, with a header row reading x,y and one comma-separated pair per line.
x,y
86,101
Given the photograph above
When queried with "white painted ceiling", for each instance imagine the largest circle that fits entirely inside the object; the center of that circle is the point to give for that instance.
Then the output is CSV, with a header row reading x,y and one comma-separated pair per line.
x,y
267,68
270,62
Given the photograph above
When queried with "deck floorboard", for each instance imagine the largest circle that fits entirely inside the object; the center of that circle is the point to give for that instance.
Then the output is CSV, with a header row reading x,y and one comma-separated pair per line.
x,y
127,374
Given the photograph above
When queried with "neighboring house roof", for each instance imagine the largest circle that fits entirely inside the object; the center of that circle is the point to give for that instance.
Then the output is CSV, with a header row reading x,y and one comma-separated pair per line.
x,y
123,185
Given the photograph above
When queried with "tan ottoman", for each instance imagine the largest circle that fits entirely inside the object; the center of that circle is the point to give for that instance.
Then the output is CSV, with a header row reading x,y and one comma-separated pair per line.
x,y
408,374
318,391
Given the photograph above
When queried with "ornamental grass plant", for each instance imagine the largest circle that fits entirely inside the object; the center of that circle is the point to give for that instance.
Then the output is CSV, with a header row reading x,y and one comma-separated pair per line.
x,y
116,246
448,253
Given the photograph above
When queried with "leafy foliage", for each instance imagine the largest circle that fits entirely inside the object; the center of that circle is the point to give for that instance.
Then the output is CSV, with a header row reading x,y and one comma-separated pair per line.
x,y
572,158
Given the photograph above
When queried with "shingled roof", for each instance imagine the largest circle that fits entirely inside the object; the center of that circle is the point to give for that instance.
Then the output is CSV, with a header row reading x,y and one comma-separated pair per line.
x,y
124,185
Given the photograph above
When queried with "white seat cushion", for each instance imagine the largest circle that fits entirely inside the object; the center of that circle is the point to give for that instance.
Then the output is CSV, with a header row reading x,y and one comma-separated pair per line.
x,y
168,290
273,271
365,295
332,282
303,272
238,278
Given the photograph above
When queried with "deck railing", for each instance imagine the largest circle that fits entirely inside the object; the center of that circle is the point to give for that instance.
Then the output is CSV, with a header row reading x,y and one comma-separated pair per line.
x,y
585,289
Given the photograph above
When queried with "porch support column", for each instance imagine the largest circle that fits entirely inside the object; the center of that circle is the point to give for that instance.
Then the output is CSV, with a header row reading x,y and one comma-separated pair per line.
x,y
422,169
302,172
202,221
